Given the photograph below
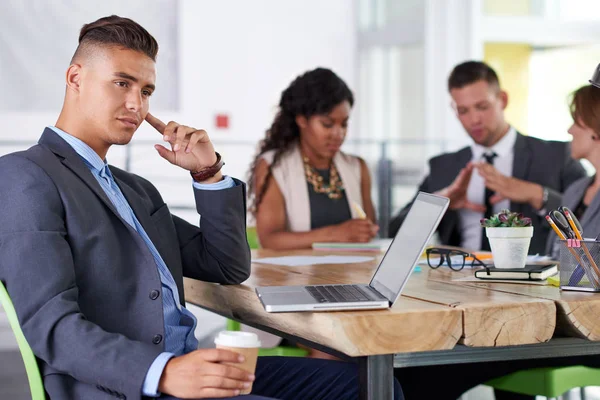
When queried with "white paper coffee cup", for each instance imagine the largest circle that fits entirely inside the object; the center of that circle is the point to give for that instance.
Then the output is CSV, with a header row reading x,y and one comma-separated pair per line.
x,y
244,343
237,339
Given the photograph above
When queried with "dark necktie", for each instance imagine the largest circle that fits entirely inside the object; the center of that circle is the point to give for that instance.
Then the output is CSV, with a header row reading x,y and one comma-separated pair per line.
x,y
485,244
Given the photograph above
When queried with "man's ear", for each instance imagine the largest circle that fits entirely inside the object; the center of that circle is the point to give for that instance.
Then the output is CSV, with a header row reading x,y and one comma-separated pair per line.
x,y
503,98
301,121
74,77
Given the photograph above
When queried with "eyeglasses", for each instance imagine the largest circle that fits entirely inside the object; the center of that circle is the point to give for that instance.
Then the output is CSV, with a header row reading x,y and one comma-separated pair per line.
x,y
455,259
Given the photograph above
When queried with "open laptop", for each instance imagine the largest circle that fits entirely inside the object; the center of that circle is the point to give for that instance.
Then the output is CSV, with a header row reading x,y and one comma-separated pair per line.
x,y
388,281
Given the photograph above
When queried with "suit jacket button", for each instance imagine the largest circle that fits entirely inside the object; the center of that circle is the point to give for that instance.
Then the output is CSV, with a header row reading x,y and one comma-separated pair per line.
x,y
154,294
157,339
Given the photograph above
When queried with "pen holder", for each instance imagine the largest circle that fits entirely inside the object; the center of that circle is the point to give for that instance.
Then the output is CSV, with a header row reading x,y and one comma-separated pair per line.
x,y
579,265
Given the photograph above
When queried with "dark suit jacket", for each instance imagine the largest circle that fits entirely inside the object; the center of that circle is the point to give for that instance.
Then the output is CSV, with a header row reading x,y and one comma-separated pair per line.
x,y
547,163
81,278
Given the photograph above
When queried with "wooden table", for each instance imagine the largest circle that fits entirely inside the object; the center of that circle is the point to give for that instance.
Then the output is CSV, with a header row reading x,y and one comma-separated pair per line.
x,y
436,320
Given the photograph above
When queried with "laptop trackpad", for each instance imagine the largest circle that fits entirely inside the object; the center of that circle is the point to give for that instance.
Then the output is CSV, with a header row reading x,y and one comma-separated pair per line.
x,y
288,297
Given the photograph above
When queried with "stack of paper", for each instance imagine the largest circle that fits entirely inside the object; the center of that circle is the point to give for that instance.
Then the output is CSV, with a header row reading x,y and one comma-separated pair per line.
x,y
373,245
294,261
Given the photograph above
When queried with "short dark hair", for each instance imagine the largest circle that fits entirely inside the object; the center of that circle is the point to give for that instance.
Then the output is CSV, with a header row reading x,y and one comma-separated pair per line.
x,y
117,31
585,107
470,72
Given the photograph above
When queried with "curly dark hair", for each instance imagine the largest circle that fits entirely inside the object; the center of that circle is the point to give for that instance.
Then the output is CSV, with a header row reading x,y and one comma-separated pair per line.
x,y
315,92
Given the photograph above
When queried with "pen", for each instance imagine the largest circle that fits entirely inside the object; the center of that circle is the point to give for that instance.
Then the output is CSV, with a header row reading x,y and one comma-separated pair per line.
x,y
359,211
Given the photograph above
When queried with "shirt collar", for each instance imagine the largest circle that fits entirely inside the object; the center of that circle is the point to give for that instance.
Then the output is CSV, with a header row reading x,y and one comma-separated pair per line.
x,y
86,152
503,148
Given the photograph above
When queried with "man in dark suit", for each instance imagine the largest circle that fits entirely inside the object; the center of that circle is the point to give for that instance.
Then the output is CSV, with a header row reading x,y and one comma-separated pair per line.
x,y
501,169
523,174
94,261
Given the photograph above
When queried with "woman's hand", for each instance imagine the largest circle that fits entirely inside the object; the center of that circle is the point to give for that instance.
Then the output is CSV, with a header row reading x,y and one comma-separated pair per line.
x,y
354,230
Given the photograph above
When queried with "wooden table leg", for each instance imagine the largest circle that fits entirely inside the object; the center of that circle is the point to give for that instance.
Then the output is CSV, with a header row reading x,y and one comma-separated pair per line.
x,y
376,377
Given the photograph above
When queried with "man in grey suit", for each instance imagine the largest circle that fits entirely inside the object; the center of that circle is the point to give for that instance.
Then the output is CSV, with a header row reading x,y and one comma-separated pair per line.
x,y
94,261
501,169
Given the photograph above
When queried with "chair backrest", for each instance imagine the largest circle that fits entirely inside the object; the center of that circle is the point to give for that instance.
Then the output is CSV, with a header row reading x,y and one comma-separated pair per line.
x,y
252,237
31,366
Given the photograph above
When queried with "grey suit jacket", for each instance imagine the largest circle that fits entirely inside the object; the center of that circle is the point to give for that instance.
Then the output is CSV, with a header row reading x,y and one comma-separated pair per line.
x,y
590,221
547,163
84,282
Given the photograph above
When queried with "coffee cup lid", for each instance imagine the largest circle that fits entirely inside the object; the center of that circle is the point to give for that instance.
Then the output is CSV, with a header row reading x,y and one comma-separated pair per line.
x,y
237,339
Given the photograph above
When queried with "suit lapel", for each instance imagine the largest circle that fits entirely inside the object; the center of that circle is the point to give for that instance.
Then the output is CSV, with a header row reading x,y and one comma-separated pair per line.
x,y
463,157
74,162
142,214
521,162
140,210
522,158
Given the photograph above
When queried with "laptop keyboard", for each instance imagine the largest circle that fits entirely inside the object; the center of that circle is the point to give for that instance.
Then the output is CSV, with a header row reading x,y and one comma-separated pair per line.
x,y
338,293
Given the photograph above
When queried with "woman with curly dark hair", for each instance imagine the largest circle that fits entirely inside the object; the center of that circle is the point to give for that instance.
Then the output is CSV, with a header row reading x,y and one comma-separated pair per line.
x,y
303,189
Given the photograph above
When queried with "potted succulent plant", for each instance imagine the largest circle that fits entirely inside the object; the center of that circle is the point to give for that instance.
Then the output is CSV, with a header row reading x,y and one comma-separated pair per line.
x,y
509,234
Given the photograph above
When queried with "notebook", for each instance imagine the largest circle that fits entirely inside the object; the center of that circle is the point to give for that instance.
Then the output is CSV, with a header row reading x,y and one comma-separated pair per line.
x,y
531,272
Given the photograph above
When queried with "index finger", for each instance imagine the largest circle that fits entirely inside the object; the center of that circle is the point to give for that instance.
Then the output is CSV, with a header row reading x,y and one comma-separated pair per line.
x,y
156,123
485,169
474,207
463,178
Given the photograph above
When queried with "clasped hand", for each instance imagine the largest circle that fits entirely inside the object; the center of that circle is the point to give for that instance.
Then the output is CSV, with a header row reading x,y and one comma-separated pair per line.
x,y
505,187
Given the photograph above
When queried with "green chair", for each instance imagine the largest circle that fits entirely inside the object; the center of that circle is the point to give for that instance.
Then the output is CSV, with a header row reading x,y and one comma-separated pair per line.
x,y
283,351
548,382
232,325
252,238
31,367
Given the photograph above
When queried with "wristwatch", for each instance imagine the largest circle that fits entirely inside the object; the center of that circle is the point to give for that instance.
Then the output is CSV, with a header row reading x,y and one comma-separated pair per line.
x,y
545,195
208,172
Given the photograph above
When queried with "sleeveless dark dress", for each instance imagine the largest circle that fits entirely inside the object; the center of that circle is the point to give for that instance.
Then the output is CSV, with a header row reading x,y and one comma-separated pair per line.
x,y
325,211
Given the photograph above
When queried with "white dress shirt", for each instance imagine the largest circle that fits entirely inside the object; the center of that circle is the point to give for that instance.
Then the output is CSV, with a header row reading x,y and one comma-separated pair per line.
x,y
469,220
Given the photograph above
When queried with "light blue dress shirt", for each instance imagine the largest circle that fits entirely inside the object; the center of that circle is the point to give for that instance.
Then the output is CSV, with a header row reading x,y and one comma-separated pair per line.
x,y
179,322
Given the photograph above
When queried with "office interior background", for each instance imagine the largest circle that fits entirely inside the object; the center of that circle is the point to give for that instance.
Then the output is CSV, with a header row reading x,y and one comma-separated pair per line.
x,y
223,64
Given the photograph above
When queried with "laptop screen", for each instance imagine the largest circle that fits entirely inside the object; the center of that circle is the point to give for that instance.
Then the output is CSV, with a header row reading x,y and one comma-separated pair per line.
x,y
403,254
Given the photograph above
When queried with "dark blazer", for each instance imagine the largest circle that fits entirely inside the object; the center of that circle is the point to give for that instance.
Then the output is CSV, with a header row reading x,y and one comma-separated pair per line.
x,y
547,163
83,281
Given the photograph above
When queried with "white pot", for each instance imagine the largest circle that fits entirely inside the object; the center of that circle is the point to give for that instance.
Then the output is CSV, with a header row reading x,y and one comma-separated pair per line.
x,y
509,245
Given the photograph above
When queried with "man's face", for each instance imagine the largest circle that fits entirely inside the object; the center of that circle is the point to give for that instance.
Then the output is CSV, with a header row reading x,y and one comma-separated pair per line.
x,y
114,94
480,109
